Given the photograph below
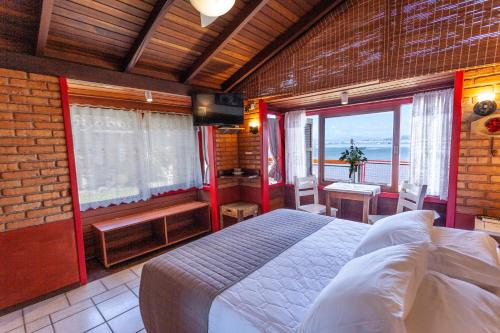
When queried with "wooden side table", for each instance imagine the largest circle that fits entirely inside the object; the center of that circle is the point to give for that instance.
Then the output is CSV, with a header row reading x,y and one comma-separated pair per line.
x,y
238,210
349,191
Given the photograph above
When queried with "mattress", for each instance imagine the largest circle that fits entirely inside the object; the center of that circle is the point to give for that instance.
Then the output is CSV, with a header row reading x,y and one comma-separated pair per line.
x,y
276,297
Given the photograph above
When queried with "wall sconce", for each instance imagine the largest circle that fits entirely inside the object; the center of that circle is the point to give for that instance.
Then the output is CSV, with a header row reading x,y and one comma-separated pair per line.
x,y
344,98
149,96
485,104
254,127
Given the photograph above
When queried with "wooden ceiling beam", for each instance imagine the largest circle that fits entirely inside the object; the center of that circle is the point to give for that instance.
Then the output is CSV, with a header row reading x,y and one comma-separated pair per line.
x,y
155,17
298,29
46,8
71,70
232,29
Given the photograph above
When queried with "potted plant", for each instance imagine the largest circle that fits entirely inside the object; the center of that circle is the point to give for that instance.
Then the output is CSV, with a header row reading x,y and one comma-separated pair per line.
x,y
355,157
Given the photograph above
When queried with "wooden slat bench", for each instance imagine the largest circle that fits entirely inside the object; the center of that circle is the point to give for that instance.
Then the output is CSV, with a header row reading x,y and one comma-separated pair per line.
x,y
126,237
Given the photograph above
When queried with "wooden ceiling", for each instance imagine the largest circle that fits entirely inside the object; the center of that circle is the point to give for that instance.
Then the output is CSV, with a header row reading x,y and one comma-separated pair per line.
x,y
158,38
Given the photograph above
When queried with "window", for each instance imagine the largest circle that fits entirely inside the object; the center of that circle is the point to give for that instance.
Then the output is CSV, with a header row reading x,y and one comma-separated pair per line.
x,y
126,156
373,130
373,133
274,151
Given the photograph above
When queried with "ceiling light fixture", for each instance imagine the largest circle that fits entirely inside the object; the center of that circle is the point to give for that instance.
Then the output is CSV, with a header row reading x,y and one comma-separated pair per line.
x,y
211,9
149,96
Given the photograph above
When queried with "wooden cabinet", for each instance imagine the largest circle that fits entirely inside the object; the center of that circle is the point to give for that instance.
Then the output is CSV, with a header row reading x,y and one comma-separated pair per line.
x,y
123,238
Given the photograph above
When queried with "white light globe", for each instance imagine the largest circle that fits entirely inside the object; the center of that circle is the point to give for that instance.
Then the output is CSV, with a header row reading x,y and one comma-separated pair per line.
x,y
213,7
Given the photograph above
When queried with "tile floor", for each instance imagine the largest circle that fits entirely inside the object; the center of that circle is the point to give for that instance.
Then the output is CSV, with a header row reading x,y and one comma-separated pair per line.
x,y
108,305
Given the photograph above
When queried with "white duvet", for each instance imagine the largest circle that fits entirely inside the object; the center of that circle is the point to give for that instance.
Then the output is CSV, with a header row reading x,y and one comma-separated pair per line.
x,y
276,297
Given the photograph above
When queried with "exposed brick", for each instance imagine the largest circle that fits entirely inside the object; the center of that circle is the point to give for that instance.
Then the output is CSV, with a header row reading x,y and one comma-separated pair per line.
x,y
20,174
24,223
17,141
47,110
44,78
59,217
11,200
36,149
13,74
32,117
5,218
34,180
43,212
42,196
57,171
21,190
29,100
21,207
39,181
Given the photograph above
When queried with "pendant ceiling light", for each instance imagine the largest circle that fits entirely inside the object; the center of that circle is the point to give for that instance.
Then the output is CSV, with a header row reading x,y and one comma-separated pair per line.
x,y
211,9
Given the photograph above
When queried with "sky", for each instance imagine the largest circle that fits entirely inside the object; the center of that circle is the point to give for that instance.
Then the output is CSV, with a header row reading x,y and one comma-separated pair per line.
x,y
364,127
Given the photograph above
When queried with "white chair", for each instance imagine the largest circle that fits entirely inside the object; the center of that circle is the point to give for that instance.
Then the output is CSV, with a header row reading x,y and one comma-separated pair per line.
x,y
411,197
305,187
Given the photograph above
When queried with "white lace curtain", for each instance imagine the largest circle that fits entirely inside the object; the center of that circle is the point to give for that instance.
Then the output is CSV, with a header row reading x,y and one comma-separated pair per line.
x,y
295,145
432,116
125,156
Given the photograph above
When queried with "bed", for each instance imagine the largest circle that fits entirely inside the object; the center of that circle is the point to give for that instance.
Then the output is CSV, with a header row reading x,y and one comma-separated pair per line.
x,y
261,275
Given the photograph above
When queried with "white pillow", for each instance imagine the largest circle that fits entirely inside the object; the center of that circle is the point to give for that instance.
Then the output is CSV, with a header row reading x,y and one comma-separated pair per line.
x,y
465,267
445,304
371,294
476,244
407,227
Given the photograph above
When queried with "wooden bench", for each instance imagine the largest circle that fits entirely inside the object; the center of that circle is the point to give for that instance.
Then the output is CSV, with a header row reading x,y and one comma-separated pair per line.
x,y
126,237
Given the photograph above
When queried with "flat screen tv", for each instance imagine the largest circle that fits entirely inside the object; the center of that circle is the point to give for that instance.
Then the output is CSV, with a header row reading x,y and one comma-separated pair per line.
x,y
217,109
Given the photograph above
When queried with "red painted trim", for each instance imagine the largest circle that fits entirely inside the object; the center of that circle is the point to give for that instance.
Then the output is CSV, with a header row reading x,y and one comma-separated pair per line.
x,y
429,198
169,193
369,106
214,200
455,150
80,248
263,156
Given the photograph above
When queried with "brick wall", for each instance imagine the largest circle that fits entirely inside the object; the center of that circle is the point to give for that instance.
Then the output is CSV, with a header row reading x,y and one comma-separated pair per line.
x,y
248,143
227,151
479,171
34,181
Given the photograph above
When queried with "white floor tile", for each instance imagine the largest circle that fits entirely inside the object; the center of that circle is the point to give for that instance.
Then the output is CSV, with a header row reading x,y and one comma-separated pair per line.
x,y
44,308
118,278
18,330
69,311
85,292
109,294
136,291
134,283
118,305
46,329
101,329
38,324
137,269
11,321
128,322
79,322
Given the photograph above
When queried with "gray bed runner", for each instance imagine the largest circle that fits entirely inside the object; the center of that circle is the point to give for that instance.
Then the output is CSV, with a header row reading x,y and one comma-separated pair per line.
x,y
178,287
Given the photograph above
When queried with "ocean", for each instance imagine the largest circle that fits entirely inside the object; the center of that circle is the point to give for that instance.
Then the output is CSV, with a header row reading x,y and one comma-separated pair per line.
x,y
373,152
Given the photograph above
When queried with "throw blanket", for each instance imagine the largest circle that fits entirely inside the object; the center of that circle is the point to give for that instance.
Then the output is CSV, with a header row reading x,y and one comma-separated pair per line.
x,y
178,287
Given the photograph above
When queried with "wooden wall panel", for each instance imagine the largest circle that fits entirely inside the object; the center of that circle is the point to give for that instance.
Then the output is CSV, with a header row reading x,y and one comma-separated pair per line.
x,y
40,259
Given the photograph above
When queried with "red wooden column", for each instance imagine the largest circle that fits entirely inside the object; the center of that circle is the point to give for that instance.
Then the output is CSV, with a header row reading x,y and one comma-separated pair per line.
x,y
77,217
214,200
264,175
451,208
